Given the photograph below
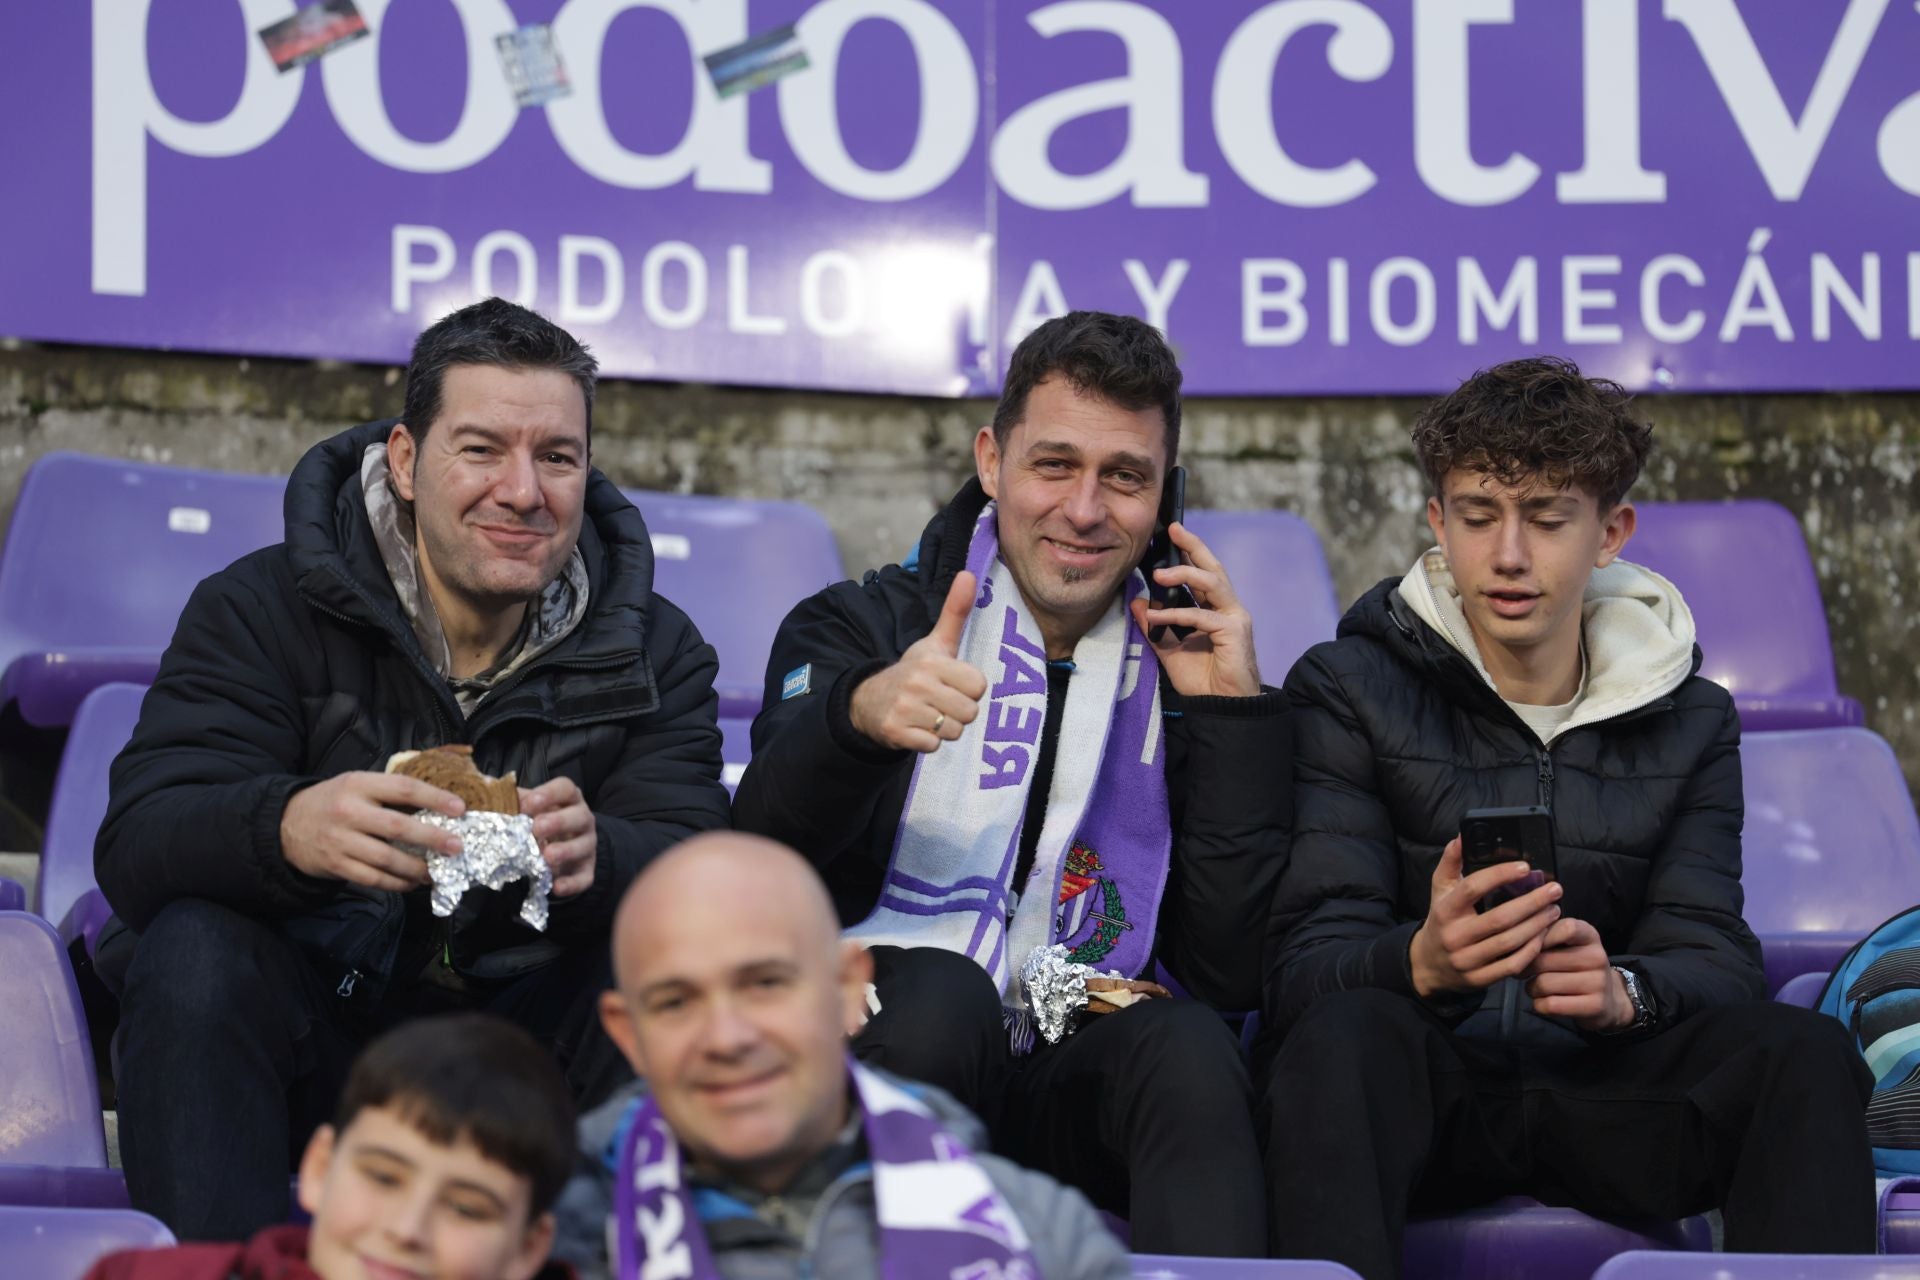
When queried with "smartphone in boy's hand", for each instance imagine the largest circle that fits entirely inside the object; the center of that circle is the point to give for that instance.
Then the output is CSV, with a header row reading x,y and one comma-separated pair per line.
x,y
1522,833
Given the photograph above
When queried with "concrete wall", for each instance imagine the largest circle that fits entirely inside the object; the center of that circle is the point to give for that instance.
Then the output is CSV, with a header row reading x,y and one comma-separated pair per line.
x,y
877,466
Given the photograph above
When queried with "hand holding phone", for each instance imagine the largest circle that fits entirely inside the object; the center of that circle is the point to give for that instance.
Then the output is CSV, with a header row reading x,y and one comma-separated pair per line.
x,y
1199,602
1459,948
1523,833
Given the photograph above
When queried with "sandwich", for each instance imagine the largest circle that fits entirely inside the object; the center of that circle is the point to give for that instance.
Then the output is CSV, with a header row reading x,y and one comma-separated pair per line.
x,y
451,768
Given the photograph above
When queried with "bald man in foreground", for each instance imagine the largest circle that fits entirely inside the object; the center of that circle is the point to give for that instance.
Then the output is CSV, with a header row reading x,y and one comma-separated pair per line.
x,y
753,1146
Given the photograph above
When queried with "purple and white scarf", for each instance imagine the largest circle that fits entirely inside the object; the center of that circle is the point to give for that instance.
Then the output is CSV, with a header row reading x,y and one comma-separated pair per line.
x,y
1101,864
939,1213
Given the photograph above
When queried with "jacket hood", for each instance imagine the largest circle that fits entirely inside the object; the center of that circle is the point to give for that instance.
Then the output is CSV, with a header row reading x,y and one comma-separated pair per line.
x,y
1636,628
337,562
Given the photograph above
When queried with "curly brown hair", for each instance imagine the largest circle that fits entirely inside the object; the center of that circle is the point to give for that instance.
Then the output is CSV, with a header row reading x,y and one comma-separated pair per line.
x,y
1536,421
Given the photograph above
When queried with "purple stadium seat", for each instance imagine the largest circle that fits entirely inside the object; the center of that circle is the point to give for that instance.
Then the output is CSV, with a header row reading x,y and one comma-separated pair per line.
x,y
63,1244
1522,1239
1832,846
63,1185
1745,571
13,895
1280,573
1900,1225
736,567
1157,1266
100,728
736,748
99,559
1802,991
1758,1266
49,1101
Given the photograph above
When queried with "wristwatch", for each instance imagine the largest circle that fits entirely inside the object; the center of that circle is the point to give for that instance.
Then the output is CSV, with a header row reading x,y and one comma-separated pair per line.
x,y
1637,997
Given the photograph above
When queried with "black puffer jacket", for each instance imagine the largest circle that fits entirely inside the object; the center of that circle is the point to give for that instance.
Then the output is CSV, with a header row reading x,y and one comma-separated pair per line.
x,y
296,663
817,784
1398,735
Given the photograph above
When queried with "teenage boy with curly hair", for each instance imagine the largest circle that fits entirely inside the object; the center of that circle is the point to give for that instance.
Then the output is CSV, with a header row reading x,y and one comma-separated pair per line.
x,y
1603,1040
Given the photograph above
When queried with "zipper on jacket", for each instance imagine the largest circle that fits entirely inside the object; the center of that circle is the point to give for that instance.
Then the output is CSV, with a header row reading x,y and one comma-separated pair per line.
x,y
1546,778
816,1226
345,989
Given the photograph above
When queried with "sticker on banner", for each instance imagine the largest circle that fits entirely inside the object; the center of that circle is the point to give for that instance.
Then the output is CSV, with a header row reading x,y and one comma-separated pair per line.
x,y
189,520
313,32
798,681
744,67
672,546
532,62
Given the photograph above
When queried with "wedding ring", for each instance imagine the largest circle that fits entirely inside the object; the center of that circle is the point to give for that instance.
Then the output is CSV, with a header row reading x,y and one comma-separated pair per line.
x,y
938,720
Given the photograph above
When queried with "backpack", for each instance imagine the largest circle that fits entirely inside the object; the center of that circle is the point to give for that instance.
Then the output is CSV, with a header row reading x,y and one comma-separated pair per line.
x,y
1875,991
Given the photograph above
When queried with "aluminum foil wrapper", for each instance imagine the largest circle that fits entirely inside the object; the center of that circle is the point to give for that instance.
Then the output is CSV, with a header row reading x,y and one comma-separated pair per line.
x,y
1056,990
498,848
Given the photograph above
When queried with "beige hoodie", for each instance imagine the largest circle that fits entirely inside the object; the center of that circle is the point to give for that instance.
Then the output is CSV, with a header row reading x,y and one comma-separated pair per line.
x,y
1636,629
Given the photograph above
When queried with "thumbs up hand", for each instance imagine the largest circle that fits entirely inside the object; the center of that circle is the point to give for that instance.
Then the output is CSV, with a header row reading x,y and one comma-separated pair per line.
x,y
929,696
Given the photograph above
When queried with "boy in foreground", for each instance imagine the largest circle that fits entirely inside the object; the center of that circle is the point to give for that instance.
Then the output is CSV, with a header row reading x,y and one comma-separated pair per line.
x,y
1603,1040
452,1139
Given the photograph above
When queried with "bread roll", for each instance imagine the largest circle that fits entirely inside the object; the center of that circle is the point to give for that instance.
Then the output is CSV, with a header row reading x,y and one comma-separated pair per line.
x,y
451,768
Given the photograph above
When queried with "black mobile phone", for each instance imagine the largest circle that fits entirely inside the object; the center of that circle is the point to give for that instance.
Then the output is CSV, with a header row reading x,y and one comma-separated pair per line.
x,y
1162,554
1489,837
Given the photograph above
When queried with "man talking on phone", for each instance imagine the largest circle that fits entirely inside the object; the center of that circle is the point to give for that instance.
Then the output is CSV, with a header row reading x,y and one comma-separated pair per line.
x,y
1602,1040
989,758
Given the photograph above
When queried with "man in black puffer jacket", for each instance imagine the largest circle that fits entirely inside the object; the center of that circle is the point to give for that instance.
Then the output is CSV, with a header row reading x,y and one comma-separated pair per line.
x,y
906,713
1603,1041
462,577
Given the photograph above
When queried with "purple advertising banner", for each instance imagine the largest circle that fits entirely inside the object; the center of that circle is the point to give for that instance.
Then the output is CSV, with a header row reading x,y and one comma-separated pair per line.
x,y
1307,196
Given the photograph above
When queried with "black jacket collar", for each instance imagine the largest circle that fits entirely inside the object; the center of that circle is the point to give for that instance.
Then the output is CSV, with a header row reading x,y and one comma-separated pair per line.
x,y
944,543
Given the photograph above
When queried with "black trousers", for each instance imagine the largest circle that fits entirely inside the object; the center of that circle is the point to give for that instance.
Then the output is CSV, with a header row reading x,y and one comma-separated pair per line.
x,y
232,1051
1149,1111
1373,1106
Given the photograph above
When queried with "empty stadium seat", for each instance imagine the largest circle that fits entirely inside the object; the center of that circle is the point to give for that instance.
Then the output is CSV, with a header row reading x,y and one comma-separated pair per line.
x,y
1900,1226
49,1101
13,895
1519,1237
100,728
1746,574
63,1244
736,567
1802,991
1759,1266
1280,573
1832,846
100,558
1155,1266
52,1149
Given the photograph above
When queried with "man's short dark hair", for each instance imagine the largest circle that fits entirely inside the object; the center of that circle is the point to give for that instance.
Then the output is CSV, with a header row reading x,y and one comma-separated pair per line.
x,y
495,332
1536,421
476,1076
1121,360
